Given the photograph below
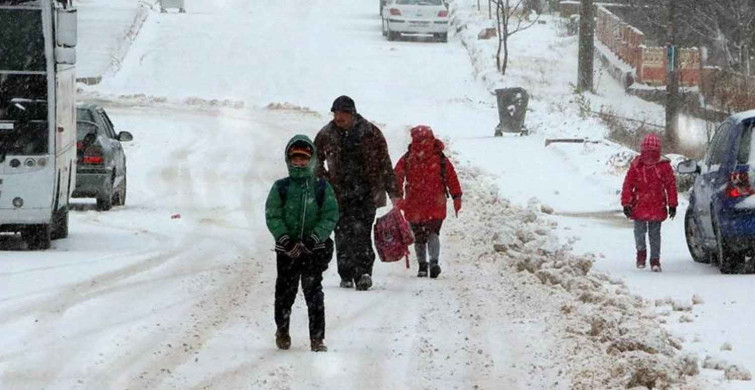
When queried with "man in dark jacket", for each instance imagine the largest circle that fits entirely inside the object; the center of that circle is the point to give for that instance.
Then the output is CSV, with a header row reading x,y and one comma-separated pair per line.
x,y
360,170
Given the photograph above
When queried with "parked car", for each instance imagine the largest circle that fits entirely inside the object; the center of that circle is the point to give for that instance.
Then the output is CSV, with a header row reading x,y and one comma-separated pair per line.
x,y
415,17
720,221
101,162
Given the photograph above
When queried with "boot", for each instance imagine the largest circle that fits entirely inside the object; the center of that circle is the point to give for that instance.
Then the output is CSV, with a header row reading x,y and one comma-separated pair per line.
x,y
655,265
364,282
434,270
317,345
422,273
641,256
282,339
347,284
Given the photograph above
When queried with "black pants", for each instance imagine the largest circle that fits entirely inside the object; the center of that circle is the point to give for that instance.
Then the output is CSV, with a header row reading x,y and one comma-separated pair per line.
x,y
354,253
290,271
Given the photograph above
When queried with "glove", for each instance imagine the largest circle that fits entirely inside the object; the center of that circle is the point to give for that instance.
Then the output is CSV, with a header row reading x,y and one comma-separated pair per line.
x,y
457,205
671,212
288,247
313,243
284,244
628,211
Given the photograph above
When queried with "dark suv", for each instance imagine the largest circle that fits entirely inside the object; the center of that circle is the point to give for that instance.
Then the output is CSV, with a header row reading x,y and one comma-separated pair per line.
x,y
720,221
100,162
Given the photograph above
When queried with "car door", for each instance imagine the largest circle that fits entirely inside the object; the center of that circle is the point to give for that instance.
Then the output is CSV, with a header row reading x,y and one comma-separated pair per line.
x,y
114,145
712,176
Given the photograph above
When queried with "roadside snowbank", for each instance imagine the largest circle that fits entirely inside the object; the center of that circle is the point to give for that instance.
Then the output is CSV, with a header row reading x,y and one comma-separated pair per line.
x,y
606,337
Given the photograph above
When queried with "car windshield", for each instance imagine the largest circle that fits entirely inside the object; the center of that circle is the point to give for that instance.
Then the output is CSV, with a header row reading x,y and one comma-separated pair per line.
x,y
83,114
745,144
419,2
83,128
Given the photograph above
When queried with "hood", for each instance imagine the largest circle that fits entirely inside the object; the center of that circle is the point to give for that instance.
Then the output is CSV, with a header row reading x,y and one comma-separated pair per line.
x,y
651,149
424,141
307,170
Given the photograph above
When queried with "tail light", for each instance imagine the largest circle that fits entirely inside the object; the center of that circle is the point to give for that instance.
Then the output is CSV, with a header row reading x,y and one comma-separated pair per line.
x,y
395,12
93,156
739,185
443,14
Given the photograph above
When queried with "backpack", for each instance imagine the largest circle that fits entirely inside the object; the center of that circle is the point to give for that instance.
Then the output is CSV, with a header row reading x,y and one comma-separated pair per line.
x,y
393,237
284,183
443,159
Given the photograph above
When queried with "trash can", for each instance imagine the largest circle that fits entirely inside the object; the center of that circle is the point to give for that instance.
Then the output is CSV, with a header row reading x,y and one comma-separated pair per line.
x,y
165,4
512,107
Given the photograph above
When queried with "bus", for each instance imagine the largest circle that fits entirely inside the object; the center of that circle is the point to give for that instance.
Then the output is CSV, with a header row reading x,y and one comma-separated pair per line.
x,y
37,118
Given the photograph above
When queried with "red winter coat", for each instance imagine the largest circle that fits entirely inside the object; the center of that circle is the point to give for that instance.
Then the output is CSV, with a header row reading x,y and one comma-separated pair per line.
x,y
649,187
425,198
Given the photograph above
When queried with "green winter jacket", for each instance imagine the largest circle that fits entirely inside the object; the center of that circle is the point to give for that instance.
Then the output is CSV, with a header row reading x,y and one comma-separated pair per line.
x,y
301,215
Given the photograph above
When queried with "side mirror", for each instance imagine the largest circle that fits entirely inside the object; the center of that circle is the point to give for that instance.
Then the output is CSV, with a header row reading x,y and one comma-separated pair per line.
x,y
125,136
688,166
66,33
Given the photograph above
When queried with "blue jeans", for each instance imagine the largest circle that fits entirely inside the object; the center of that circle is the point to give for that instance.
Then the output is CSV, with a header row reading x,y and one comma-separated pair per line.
x,y
653,230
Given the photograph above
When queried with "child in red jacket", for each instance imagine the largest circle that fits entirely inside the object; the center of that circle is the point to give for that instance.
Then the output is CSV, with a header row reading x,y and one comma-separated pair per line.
x,y
430,179
649,189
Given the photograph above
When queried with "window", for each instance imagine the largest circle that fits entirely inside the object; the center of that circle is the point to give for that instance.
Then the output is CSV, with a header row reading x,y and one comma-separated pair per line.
x,y
745,143
109,130
719,144
22,47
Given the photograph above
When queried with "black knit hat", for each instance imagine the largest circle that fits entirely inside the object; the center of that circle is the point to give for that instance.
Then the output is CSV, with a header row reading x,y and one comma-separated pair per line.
x,y
344,104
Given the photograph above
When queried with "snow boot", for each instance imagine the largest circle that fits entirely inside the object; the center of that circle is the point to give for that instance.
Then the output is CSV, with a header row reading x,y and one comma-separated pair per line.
x,y
317,345
422,273
434,270
641,256
282,339
655,265
347,284
364,282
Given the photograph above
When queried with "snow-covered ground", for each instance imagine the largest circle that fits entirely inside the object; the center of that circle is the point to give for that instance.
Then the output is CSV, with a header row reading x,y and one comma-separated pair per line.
x,y
175,289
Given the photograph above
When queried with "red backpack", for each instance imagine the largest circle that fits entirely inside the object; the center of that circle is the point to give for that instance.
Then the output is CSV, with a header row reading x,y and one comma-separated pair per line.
x,y
393,237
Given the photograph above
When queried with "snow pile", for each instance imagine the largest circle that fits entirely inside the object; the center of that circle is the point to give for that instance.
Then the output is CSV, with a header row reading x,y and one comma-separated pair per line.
x,y
135,100
603,337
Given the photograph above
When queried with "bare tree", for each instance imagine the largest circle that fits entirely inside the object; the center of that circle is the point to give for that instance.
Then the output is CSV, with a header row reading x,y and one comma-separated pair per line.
x,y
586,45
508,24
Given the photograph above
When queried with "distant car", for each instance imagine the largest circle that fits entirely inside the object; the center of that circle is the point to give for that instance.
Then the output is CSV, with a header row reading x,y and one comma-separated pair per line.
x,y
101,162
415,17
720,221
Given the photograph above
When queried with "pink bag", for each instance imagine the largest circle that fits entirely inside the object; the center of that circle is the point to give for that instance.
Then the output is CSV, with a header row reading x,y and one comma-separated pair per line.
x,y
393,237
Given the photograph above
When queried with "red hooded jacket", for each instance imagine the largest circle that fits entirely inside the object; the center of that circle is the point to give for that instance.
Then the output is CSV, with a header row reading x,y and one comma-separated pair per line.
x,y
425,189
649,186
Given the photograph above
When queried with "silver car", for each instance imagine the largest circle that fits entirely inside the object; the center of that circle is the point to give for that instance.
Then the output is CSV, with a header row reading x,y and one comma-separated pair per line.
x,y
101,162
415,17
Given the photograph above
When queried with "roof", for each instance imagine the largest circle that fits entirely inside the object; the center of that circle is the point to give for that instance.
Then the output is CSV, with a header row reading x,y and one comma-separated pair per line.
x,y
744,115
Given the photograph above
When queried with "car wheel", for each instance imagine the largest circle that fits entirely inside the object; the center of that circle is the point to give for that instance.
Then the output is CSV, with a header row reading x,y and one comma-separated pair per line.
x,y
728,261
105,201
123,193
38,237
60,224
696,248
392,35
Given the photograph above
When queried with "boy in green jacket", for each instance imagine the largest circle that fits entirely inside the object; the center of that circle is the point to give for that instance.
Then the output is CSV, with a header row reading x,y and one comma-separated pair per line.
x,y
301,211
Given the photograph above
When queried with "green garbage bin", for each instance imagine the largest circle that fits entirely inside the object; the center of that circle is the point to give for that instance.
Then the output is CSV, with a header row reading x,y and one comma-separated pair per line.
x,y
512,108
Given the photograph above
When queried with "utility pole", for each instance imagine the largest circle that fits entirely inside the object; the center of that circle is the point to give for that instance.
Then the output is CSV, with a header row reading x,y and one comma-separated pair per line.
x,y
673,99
586,45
